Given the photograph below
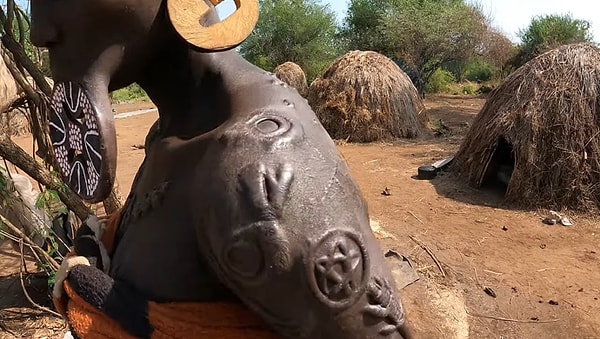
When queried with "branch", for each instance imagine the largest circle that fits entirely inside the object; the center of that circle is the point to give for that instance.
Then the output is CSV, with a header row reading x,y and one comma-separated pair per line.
x,y
16,155
36,305
19,78
10,16
22,59
17,232
19,15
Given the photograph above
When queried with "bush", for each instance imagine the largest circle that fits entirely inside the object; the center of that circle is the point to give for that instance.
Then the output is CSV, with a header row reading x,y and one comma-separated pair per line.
x,y
131,93
440,82
478,70
469,89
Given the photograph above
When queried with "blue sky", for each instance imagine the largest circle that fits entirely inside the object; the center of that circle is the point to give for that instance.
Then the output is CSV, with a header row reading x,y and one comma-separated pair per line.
x,y
508,15
512,15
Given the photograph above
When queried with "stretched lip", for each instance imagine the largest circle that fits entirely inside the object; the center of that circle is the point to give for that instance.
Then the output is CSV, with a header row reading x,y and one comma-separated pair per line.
x,y
82,124
85,68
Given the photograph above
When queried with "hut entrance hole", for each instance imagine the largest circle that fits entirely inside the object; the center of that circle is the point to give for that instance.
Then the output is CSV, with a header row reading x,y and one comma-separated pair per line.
x,y
500,168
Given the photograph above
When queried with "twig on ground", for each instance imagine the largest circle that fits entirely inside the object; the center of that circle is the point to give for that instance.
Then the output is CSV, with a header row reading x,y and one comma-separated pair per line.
x,y
411,213
425,268
6,329
492,272
36,305
435,259
3,326
522,321
545,269
577,307
477,277
464,257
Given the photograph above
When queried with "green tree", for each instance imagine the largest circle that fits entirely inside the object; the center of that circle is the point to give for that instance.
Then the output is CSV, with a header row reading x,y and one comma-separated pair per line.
x,y
362,27
548,32
301,31
428,34
490,60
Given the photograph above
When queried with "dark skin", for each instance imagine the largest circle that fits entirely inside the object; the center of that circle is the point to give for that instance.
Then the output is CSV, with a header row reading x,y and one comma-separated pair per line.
x,y
242,195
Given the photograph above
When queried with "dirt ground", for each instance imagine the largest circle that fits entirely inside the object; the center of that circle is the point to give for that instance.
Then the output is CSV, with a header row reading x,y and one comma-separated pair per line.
x,y
542,281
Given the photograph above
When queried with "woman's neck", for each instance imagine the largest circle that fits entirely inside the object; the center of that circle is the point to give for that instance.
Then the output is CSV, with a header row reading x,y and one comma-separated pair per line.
x,y
188,86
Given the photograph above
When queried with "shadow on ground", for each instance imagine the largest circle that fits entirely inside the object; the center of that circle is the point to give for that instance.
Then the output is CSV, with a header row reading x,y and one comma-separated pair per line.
x,y
18,318
11,292
451,187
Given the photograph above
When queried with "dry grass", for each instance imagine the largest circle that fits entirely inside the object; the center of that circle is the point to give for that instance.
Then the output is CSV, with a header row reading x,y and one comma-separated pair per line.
x,y
27,323
364,97
293,75
548,111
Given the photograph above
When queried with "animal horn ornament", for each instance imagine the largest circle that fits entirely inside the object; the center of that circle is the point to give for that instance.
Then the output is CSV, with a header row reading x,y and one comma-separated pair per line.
x,y
84,142
187,15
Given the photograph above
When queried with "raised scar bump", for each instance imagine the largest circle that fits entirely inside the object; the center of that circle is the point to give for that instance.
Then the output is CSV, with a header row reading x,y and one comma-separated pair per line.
x,y
266,188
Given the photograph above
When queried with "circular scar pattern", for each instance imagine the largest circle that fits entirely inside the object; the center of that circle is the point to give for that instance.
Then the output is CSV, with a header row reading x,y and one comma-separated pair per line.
x,y
75,136
338,269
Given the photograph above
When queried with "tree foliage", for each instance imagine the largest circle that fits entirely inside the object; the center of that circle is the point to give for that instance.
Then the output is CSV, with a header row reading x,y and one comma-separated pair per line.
x,y
362,27
490,59
428,34
301,31
497,50
421,35
550,31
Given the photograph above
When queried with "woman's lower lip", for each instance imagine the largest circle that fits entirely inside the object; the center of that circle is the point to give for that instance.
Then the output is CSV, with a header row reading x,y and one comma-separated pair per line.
x,y
59,77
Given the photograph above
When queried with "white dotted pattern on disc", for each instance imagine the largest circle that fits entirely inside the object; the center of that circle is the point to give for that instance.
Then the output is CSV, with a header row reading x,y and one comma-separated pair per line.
x,y
76,138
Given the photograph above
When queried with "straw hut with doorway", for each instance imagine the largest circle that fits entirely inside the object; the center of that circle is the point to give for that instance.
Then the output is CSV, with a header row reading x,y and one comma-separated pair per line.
x,y
538,135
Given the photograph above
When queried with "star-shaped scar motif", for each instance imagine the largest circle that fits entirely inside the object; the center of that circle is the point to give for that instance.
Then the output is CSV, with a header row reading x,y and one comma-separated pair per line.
x,y
338,271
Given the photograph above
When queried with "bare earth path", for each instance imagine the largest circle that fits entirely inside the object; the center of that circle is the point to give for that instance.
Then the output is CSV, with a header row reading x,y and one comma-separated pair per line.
x,y
545,278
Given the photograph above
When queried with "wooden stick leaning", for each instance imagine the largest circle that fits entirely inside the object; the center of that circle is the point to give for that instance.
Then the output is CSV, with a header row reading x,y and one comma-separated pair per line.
x,y
36,305
17,232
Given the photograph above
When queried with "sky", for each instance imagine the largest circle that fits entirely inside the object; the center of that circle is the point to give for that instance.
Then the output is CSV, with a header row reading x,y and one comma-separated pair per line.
x,y
509,16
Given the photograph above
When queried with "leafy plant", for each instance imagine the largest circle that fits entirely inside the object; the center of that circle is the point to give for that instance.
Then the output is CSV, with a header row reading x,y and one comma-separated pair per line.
x,y
468,89
49,200
131,93
439,128
478,70
440,81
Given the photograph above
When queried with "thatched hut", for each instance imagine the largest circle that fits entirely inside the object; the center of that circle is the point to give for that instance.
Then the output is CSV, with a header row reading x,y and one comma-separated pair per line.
x,y
539,133
9,88
364,97
293,75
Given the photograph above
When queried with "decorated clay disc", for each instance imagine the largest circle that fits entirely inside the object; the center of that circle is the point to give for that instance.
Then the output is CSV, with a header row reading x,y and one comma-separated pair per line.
x,y
77,132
